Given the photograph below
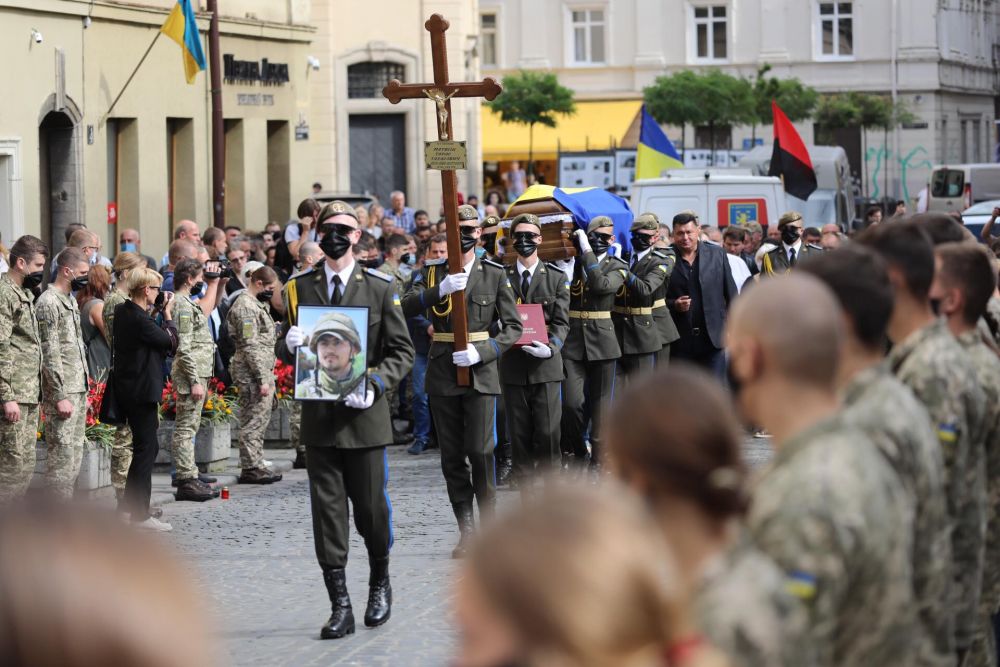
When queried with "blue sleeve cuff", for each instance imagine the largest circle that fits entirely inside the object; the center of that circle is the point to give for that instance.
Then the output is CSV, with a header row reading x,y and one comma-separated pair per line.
x,y
422,298
377,380
555,340
496,347
592,267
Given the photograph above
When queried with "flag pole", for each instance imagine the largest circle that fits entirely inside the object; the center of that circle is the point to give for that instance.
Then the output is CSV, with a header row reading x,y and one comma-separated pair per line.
x,y
131,76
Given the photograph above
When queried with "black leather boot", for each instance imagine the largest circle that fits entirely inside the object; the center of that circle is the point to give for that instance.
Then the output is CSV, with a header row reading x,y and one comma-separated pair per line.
x,y
379,594
466,526
342,619
300,460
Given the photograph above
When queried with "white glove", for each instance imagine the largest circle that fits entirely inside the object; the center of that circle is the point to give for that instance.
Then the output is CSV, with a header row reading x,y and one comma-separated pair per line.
x,y
294,338
453,282
615,249
581,238
467,357
358,403
538,350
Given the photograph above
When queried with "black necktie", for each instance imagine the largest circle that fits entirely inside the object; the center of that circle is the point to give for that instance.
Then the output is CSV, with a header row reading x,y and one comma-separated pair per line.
x,y
525,283
335,297
791,256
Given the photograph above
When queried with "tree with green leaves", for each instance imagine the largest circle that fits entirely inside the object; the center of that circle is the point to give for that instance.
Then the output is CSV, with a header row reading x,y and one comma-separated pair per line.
x,y
713,98
532,98
795,98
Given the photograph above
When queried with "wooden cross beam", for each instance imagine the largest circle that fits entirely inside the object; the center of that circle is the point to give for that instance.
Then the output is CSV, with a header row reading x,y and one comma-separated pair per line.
x,y
440,92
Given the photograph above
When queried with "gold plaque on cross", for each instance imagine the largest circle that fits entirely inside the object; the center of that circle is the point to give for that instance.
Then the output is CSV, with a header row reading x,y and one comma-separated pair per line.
x,y
445,155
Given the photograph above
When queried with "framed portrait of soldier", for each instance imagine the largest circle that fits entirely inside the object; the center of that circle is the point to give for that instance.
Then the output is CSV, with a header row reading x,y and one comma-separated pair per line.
x,y
332,362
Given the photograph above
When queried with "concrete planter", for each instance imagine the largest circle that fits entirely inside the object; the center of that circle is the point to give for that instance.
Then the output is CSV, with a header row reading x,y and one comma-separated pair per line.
x,y
95,467
211,447
279,431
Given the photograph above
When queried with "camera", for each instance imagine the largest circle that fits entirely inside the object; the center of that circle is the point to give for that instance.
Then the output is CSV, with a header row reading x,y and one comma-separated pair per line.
x,y
226,269
37,36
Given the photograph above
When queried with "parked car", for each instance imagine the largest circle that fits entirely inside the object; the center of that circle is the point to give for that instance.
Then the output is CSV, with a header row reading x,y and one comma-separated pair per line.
x,y
976,216
959,186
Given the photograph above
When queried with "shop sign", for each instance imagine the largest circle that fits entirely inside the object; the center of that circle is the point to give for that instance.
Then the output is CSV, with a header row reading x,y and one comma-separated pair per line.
x,y
251,71
254,100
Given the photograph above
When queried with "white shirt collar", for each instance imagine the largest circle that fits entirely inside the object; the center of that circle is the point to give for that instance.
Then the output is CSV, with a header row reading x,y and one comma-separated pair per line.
x,y
797,245
345,275
639,257
521,268
468,267
600,258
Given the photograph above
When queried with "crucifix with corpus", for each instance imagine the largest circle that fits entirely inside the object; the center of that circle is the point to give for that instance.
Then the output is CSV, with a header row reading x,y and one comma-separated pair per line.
x,y
440,92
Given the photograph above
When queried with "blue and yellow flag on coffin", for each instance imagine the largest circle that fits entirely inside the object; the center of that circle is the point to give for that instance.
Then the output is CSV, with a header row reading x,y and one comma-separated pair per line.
x,y
656,152
182,27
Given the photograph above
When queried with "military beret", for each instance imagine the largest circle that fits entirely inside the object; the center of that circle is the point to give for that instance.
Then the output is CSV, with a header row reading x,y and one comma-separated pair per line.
x,y
684,217
646,221
789,217
336,207
335,324
490,221
599,222
466,212
525,218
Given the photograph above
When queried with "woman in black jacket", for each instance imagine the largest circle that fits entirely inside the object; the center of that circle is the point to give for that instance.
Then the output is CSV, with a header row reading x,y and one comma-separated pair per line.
x,y
140,348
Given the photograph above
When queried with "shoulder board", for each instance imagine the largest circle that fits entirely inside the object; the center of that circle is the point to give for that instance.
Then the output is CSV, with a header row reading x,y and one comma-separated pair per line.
x,y
300,274
813,246
553,266
490,262
663,253
378,274
618,259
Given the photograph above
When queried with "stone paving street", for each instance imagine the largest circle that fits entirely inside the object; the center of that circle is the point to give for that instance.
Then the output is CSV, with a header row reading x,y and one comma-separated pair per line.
x,y
254,558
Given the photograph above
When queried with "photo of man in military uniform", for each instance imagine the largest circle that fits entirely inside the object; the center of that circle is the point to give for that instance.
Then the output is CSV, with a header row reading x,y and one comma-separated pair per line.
x,y
336,360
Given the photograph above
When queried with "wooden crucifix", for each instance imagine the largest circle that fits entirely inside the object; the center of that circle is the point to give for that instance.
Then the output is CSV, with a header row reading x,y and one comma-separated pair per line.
x,y
440,92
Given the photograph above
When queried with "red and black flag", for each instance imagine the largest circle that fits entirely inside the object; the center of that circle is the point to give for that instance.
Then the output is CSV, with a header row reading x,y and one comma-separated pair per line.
x,y
790,159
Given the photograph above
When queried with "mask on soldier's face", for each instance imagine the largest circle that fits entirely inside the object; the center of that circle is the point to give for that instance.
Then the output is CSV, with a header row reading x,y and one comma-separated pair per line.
x,y
33,280
641,241
197,288
468,238
600,243
936,306
336,241
265,296
78,284
790,234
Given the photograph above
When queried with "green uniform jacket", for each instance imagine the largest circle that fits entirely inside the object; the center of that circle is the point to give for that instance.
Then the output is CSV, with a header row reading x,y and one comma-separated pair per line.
x,y
390,358
635,325
776,261
550,288
488,297
661,314
593,290
64,359
20,350
195,358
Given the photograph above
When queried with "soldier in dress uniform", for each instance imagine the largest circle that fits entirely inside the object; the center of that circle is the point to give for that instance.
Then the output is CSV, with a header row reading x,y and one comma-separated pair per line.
x,y
661,314
639,334
591,348
345,440
121,448
830,510
792,248
20,365
465,417
888,412
254,333
64,372
193,365
532,375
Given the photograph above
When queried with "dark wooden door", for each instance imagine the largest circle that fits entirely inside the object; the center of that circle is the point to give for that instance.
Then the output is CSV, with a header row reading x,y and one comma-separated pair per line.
x,y
378,154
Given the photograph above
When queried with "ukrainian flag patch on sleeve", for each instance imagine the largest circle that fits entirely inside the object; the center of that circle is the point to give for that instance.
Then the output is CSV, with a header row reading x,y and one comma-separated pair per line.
x,y
801,584
947,432
395,300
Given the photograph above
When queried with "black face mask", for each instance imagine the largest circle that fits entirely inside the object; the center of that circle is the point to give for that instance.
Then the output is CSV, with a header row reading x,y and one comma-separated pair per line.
x,y
78,284
335,244
404,259
790,234
490,243
33,280
370,263
936,306
599,243
265,296
525,244
468,241
641,241
197,288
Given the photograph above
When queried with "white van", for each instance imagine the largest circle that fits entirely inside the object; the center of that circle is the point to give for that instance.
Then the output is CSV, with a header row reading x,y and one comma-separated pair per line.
x,y
956,187
719,197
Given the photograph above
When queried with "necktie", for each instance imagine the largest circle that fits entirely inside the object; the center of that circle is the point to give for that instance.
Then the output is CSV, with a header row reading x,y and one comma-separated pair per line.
x,y
791,256
335,294
525,283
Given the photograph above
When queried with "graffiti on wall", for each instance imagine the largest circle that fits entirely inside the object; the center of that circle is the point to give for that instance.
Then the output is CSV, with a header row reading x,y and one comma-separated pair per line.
x,y
875,161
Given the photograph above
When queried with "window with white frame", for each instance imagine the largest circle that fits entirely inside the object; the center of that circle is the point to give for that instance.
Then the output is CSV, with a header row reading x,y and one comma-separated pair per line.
x,y
488,39
587,30
836,29
710,23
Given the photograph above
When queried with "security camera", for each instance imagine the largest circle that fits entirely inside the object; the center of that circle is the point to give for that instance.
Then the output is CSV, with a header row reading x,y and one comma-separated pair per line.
x,y
313,62
37,36
86,22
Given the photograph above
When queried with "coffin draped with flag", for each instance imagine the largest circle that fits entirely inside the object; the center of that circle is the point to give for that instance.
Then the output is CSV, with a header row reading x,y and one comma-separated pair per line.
x,y
790,159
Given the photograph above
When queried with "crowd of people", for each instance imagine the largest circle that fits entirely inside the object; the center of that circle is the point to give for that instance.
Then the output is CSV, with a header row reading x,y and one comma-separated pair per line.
x,y
870,361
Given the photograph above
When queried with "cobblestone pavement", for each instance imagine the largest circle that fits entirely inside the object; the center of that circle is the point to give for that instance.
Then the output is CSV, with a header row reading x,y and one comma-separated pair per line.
x,y
254,558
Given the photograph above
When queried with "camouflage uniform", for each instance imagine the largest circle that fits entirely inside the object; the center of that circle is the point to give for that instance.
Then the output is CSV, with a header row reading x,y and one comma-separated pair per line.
x,y
64,377
121,449
295,423
20,380
831,513
987,364
888,412
254,334
931,363
743,606
193,364
990,322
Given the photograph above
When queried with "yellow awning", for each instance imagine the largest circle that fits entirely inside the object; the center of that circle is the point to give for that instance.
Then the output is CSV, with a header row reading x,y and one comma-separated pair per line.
x,y
594,126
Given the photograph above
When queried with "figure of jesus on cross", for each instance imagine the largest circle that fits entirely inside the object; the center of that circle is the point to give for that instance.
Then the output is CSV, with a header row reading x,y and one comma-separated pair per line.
x,y
441,92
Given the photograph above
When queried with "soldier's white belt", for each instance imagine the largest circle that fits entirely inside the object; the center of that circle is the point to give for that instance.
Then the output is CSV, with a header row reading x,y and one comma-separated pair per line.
x,y
641,310
590,314
474,337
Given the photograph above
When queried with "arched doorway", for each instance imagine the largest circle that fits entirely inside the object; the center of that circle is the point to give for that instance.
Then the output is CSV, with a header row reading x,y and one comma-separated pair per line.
x,y
59,164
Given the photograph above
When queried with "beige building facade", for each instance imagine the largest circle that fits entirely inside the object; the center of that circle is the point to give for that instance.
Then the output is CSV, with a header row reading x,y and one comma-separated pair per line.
x,y
147,164
363,144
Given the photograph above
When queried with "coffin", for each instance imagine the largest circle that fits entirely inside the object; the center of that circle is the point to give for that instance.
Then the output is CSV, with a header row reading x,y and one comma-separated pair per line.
x,y
557,229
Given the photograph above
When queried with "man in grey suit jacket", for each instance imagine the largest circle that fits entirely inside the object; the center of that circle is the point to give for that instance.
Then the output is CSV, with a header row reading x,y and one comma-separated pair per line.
x,y
699,293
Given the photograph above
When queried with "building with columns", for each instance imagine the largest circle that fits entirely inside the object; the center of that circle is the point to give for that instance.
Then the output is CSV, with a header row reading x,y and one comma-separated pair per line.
x,y
936,56
361,143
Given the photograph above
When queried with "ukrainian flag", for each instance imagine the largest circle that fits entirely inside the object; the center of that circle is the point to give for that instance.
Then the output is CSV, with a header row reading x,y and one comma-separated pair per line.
x,y
181,27
656,152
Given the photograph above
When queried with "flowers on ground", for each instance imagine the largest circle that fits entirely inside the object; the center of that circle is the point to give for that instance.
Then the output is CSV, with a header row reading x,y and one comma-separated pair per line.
x,y
216,410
